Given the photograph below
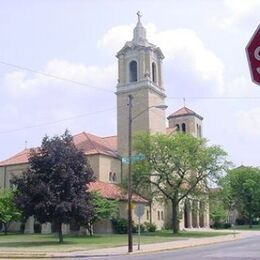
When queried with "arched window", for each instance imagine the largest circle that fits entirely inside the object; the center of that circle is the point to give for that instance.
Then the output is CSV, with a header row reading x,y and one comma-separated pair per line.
x,y
177,127
162,216
154,72
114,177
110,176
183,128
158,215
133,71
147,214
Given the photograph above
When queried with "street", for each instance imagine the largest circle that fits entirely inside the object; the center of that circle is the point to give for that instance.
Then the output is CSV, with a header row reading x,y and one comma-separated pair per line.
x,y
247,248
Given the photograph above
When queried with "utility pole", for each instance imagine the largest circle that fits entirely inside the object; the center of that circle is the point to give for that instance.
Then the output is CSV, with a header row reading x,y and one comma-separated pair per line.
x,y
130,223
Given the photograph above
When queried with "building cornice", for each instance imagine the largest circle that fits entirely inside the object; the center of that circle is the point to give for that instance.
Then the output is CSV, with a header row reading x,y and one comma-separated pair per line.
x,y
142,84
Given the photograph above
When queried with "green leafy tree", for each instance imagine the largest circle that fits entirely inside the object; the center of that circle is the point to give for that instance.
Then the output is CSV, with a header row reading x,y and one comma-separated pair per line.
x,y
217,208
104,210
8,210
54,188
175,167
243,184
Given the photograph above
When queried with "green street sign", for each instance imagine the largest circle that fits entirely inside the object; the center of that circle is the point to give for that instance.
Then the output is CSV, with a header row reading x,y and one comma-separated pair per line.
x,y
136,157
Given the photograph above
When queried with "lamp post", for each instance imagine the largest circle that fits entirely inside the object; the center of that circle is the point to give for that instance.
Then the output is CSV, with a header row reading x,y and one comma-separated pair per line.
x,y
130,191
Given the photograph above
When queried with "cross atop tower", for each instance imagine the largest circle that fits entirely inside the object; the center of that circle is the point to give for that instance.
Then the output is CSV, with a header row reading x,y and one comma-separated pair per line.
x,y
139,16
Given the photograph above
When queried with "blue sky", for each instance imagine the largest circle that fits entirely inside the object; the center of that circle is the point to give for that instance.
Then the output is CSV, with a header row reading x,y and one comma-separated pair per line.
x,y
205,62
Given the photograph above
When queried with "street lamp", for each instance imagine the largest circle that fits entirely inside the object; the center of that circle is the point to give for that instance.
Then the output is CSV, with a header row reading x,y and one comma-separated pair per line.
x,y
130,192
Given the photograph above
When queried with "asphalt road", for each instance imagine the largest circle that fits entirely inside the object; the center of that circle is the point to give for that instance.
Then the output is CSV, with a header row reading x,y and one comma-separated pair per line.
x,y
244,249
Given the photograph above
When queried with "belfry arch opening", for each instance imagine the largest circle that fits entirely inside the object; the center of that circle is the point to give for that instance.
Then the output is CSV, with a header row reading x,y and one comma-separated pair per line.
x,y
183,128
154,76
133,71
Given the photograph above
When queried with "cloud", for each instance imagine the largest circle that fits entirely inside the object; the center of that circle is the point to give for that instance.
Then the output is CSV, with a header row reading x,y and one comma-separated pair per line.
x,y
249,122
237,10
29,98
20,83
182,46
115,38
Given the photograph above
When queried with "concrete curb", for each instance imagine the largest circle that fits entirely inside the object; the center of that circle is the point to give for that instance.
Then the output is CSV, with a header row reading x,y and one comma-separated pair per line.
x,y
146,248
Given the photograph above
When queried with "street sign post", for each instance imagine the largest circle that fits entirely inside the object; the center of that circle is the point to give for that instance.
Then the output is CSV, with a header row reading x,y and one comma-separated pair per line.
x,y
139,211
253,56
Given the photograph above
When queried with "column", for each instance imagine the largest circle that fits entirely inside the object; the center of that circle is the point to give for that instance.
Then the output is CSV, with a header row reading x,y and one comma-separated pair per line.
x,y
195,214
198,213
29,225
46,228
65,228
202,214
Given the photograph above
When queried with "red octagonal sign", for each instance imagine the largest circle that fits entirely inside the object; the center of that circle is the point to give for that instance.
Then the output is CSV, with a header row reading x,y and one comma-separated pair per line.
x,y
253,56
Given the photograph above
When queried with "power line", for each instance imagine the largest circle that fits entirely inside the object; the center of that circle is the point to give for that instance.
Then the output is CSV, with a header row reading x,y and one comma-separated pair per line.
x,y
53,76
62,120
111,91
216,97
56,121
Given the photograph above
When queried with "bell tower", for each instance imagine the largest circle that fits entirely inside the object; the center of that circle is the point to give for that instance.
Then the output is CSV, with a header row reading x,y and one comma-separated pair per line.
x,y
139,75
187,121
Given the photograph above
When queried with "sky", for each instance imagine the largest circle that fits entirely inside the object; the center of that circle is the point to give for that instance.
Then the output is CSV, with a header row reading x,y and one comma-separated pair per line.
x,y
58,68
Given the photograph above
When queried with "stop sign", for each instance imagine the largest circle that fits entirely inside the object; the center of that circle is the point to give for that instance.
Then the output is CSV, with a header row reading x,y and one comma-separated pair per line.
x,y
253,56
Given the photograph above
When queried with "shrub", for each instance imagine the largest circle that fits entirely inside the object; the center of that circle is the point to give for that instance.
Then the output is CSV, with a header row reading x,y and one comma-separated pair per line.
x,y
120,225
240,221
217,225
150,227
22,228
227,225
256,222
135,228
37,228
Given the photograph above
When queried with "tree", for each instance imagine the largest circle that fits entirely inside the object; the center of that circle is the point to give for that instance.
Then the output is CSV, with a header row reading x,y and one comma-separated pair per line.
x,y
104,210
217,208
243,184
8,210
176,166
54,188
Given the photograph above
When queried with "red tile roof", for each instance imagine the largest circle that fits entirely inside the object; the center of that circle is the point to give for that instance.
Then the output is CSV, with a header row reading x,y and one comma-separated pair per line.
x,y
92,144
19,158
113,191
88,143
111,142
184,111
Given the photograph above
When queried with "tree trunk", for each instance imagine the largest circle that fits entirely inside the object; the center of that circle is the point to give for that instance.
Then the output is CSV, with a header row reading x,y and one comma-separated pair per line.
x,y
90,228
59,225
5,228
175,217
250,219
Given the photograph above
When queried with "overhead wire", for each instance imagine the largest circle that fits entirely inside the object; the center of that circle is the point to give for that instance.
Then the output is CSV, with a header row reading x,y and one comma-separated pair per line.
x,y
56,121
111,91
61,120
53,76
101,89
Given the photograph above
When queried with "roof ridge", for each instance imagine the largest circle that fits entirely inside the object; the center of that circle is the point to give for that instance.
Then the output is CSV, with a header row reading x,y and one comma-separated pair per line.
x,y
94,145
78,134
184,111
109,136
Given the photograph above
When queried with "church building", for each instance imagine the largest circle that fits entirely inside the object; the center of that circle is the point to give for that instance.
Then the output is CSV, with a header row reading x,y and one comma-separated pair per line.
x,y
140,77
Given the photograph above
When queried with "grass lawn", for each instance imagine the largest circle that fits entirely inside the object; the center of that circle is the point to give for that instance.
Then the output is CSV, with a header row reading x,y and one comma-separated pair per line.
x,y
49,243
246,227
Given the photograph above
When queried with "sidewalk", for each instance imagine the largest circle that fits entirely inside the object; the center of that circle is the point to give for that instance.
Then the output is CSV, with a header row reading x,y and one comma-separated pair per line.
x,y
123,250
148,248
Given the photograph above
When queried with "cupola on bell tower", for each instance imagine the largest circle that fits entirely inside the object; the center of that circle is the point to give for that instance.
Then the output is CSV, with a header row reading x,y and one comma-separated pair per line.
x,y
139,75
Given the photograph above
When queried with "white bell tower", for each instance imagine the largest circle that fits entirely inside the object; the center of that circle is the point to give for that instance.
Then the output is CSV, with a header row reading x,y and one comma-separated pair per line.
x,y
139,75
